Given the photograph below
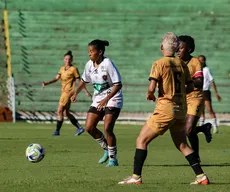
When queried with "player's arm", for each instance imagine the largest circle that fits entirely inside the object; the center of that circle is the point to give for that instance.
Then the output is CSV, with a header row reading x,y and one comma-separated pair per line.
x,y
151,90
116,80
211,79
116,87
198,82
188,80
198,77
85,89
189,87
80,86
54,80
155,75
215,90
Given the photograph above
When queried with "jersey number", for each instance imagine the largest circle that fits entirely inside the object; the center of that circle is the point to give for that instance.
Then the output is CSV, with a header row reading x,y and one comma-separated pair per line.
x,y
177,82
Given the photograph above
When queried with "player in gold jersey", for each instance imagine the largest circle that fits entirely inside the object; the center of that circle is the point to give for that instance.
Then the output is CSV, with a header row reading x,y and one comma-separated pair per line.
x,y
68,75
173,79
195,102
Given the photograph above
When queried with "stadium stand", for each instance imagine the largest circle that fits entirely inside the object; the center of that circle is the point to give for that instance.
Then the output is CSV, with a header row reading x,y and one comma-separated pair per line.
x,y
42,32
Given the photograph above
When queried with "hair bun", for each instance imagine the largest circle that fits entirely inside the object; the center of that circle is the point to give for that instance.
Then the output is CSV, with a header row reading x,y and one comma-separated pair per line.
x,y
105,42
69,53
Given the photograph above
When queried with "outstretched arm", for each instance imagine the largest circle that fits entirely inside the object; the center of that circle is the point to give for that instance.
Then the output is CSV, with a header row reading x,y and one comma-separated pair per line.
x,y
52,81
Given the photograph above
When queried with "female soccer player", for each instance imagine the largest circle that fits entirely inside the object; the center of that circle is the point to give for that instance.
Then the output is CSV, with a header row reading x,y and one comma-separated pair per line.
x,y
171,75
195,102
208,80
101,72
68,75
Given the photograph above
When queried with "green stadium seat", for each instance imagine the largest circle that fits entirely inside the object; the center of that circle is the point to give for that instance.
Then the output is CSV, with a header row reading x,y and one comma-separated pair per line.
x,y
40,35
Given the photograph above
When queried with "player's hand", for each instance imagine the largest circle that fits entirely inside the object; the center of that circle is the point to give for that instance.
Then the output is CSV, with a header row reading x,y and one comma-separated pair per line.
x,y
74,98
150,97
102,104
44,84
89,95
218,97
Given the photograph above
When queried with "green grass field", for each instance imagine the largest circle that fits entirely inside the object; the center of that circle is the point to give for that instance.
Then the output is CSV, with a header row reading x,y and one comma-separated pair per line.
x,y
70,163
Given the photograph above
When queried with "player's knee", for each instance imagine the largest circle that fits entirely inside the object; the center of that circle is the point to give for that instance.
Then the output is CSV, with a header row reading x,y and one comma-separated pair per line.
x,y
108,130
188,130
141,141
65,114
182,147
60,112
89,129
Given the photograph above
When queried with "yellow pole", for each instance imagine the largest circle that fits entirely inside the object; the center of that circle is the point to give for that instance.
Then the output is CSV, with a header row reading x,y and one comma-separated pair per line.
x,y
7,35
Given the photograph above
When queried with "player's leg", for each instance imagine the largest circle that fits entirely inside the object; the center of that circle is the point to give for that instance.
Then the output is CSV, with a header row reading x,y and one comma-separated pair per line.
x,y
74,121
205,128
179,139
202,117
111,115
191,133
92,119
60,111
208,105
155,126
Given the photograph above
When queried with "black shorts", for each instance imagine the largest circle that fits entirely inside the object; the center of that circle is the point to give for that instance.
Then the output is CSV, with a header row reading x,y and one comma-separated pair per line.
x,y
108,110
207,95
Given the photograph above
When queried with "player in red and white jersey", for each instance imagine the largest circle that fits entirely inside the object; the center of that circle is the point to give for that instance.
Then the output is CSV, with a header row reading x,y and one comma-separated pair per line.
x,y
107,99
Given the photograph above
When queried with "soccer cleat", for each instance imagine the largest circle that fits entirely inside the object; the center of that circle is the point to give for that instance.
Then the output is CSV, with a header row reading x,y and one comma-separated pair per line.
x,y
79,131
207,132
112,163
201,180
56,133
104,158
131,180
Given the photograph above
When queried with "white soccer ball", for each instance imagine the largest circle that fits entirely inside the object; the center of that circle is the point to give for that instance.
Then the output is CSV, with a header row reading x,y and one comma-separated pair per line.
x,y
35,153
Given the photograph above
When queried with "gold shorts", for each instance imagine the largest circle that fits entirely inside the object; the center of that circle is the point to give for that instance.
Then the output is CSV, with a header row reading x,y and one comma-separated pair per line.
x,y
195,106
65,99
160,123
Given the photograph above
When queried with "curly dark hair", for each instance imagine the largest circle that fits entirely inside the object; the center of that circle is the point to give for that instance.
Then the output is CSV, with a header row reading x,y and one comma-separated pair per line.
x,y
189,41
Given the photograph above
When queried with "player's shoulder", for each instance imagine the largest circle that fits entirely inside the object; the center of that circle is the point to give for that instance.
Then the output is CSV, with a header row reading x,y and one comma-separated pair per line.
x,y
206,70
195,61
89,64
73,67
107,61
160,61
62,68
167,60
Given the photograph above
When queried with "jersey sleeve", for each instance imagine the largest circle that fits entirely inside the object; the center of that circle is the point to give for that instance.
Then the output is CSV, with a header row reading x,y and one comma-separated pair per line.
x,y
198,70
210,77
155,73
76,73
86,75
113,73
60,71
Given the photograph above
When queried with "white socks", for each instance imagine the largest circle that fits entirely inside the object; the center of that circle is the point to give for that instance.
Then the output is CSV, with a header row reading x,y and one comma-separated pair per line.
x,y
102,142
112,152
